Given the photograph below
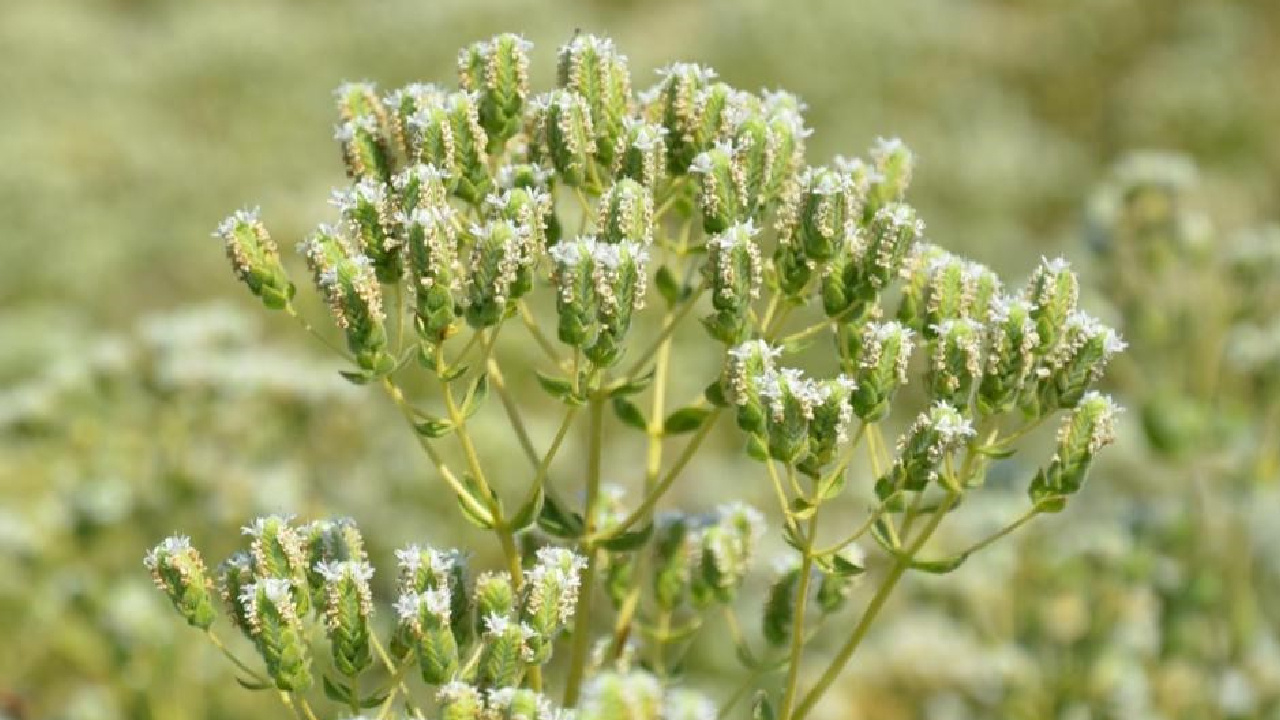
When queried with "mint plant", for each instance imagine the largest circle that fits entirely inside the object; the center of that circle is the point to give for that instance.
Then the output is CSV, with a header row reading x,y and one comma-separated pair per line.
x,y
474,213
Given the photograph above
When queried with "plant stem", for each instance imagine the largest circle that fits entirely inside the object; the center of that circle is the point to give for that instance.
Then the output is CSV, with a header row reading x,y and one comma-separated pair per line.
x,y
1025,518
526,316
293,313
797,630
667,329
582,613
667,480
217,642
877,603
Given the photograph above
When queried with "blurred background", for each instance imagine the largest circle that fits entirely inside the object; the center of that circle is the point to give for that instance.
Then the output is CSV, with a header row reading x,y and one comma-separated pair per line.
x,y
142,391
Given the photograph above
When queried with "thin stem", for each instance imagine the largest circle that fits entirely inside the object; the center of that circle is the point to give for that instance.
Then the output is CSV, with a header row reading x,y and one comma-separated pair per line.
x,y
397,676
539,479
293,313
582,614
622,626
1023,519
217,642
499,383
463,494
653,454
797,632
667,480
548,348
306,708
877,603
667,330
781,494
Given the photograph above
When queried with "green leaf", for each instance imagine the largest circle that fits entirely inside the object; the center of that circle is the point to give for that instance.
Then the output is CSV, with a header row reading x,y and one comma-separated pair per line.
x,y
880,531
837,564
715,394
559,388
253,684
526,514
939,567
802,509
473,508
453,373
757,449
668,286
374,701
557,522
633,386
629,414
833,485
684,420
476,395
433,427
789,536
628,541
355,377
994,451
336,691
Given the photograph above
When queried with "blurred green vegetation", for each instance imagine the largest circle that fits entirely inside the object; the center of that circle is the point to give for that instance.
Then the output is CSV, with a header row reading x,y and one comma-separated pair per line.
x,y
136,398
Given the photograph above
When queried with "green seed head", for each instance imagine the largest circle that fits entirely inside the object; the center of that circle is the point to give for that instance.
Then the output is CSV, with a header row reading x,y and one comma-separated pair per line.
x,y
923,449
641,152
179,571
1088,429
348,603
569,135
275,624
497,72
879,358
626,214
678,104
591,67
255,258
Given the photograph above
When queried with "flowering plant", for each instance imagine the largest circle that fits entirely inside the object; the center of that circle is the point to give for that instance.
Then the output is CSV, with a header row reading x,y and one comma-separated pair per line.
x,y
455,221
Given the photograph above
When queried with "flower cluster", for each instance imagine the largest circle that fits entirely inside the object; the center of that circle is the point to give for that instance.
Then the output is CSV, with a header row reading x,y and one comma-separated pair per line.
x,y
490,206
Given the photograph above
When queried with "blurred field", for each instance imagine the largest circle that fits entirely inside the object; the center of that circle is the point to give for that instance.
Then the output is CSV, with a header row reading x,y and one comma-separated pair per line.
x,y
136,395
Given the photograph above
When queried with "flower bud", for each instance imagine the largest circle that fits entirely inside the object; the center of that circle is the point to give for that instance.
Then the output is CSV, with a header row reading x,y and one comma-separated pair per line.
x,y
1085,346
348,601
936,433
734,270
880,360
435,270
675,105
538,182
893,232
277,552
275,623
829,427
350,286
955,363
576,303
769,145
673,556
1052,292
426,627
423,569
600,286
179,571
552,596
367,213
621,696
786,143
366,149
494,595
626,214
789,402
591,67
419,187
505,651
745,367
827,201
327,541
893,162
956,289
728,546
255,259
641,152
1012,342
722,186
918,273
402,105
460,701
527,207
501,266
233,575
448,135
684,704
497,72
1088,429
519,704
569,136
